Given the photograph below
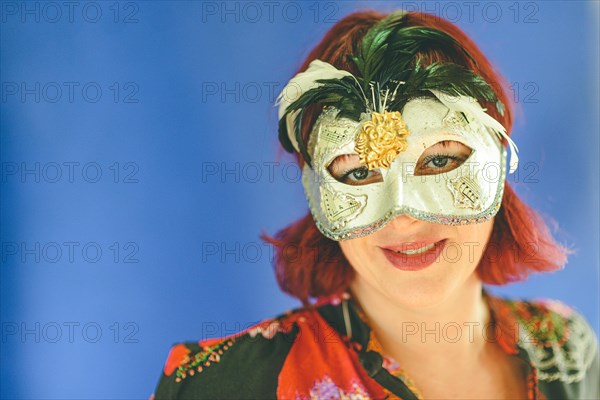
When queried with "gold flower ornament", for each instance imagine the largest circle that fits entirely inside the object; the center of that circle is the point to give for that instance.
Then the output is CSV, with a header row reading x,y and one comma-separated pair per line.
x,y
380,140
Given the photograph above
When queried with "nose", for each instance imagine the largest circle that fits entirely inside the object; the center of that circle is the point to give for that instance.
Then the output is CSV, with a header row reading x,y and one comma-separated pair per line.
x,y
403,221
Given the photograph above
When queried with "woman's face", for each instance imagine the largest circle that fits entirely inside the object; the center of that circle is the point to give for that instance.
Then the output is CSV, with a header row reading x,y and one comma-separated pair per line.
x,y
416,279
409,261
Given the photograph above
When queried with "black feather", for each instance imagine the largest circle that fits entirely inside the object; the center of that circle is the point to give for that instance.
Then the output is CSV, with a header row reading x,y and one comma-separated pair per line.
x,y
298,133
404,46
374,45
283,136
448,78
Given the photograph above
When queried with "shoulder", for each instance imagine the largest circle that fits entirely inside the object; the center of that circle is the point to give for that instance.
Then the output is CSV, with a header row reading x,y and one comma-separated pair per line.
x,y
242,365
559,341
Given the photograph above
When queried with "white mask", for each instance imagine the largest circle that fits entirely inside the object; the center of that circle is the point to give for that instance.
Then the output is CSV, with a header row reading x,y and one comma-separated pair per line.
x,y
469,190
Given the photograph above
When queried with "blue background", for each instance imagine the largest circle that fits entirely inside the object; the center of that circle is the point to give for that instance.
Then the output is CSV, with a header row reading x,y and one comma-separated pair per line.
x,y
193,131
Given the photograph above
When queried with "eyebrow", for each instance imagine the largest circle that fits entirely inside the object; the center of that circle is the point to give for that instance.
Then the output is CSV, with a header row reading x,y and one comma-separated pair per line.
x,y
334,165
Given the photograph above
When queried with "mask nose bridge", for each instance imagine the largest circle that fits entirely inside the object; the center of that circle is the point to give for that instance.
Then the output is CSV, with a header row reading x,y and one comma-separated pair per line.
x,y
394,187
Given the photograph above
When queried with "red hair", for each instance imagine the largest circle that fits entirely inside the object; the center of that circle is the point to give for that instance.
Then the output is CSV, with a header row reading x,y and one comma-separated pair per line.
x,y
308,264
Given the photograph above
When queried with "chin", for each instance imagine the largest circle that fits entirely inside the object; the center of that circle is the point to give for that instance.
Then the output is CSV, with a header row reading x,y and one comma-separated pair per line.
x,y
419,294
424,288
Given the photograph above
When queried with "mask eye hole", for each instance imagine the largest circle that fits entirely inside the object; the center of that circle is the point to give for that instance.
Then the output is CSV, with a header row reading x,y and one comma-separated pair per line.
x,y
442,157
347,169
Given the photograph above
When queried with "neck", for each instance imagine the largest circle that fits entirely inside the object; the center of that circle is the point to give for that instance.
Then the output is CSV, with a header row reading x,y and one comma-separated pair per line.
x,y
453,327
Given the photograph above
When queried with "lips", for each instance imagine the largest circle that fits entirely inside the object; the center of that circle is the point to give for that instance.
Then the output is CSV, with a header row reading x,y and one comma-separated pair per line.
x,y
414,256
411,246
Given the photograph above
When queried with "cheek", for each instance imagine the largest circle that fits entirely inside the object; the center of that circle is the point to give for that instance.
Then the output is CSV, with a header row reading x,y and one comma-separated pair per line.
x,y
356,251
474,238
348,249
484,230
481,231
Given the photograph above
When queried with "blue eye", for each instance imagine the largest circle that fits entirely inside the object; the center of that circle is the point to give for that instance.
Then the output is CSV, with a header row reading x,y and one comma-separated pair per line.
x,y
438,163
359,173
440,160
447,155
348,169
360,176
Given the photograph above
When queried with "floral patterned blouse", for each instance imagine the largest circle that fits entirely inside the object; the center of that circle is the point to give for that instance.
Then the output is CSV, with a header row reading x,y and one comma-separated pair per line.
x,y
328,351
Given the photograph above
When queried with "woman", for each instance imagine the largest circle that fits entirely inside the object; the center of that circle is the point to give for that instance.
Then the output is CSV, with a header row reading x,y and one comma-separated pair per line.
x,y
400,125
